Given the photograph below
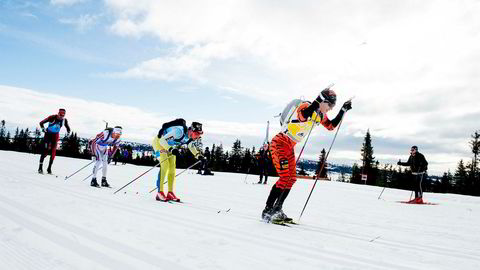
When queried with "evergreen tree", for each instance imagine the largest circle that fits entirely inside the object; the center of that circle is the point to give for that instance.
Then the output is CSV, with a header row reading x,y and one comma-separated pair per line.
x,y
16,140
7,143
2,134
446,182
321,171
236,156
246,161
475,145
368,160
219,157
460,177
355,177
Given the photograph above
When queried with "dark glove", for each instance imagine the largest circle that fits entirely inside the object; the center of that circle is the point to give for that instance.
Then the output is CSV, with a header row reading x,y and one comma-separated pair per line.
x,y
347,105
200,157
399,162
174,151
43,130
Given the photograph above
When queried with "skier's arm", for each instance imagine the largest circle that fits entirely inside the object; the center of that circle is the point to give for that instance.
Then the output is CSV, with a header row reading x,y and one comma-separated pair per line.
x,y
67,126
345,107
173,134
424,164
193,148
48,119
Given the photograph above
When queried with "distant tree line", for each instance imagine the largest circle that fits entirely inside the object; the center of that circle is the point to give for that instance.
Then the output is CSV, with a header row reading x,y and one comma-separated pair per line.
x,y
465,180
238,159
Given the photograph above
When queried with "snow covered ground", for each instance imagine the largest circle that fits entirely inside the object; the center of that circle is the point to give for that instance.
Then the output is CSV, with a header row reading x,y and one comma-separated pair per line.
x,y
49,223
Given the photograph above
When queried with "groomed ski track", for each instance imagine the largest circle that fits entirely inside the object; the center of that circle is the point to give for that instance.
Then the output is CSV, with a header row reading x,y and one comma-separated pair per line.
x,y
49,223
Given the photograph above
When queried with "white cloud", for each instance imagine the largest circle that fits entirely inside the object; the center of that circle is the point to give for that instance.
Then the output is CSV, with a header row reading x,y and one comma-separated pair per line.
x,y
82,23
65,2
27,107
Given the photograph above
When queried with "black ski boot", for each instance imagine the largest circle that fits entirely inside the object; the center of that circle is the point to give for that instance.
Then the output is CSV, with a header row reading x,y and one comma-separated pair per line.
x,y
104,182
49,170
40,168
267,214
94,183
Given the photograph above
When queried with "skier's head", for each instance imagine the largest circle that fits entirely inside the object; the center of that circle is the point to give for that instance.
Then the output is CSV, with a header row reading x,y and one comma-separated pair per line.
x,y
195,130
117,132
326,100
61,113
413,150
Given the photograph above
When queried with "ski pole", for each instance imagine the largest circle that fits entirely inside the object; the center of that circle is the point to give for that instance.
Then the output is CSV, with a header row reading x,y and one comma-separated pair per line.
x,y
66,177
140,176
90,175
381,193
321,169
178,174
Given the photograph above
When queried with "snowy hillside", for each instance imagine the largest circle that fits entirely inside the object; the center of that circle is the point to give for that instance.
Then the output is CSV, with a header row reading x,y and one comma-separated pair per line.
x,y
49,223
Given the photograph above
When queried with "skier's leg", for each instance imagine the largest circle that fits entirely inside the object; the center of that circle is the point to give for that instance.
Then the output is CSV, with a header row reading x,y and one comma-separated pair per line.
x,y
171,172
163,171
43,152
54,140
97,154
171,179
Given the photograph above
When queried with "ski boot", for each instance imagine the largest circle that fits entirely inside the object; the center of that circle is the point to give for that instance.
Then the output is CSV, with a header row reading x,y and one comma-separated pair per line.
x,y
279,216
49,170
171,197
259,182
40,168
419,200
104,182
94,183
265,182
412,200
267,214
161,197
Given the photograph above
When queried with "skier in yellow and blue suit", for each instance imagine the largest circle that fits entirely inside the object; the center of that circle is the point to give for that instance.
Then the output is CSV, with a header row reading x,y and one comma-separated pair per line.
x,y
170,136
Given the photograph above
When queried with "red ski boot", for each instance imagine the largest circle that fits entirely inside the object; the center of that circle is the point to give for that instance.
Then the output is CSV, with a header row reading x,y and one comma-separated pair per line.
x,y
161,197
419,200
171,196
414,200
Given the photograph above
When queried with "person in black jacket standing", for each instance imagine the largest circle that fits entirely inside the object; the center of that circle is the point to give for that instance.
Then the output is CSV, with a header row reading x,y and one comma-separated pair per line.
x,y
418,165
264,159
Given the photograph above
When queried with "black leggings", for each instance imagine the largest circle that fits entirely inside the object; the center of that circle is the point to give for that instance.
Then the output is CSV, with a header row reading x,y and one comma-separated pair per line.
x,y
418,185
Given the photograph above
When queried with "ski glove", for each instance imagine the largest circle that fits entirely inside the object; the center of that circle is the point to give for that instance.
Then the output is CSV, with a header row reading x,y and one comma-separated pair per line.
x,y
157,154
347,106
173,151
43,129
200,157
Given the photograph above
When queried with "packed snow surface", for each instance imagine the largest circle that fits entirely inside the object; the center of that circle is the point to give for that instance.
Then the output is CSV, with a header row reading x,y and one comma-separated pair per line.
x,y
49,223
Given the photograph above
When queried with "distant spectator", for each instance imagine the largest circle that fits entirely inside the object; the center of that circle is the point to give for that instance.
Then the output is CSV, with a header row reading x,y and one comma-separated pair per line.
x,y
418,165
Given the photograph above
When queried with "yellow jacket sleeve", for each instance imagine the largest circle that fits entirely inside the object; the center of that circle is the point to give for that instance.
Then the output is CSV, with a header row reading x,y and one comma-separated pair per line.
x,y
193,148
160,144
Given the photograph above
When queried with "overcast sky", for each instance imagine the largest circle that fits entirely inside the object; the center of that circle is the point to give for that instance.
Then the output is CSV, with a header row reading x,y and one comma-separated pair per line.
x,y
412,66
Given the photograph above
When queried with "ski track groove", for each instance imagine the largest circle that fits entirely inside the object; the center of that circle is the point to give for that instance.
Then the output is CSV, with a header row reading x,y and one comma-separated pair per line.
x,y
18,256
327,231
67,243
289,247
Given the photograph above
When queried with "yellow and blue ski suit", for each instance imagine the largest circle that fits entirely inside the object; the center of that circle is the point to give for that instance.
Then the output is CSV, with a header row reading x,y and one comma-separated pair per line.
x,y
171,137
